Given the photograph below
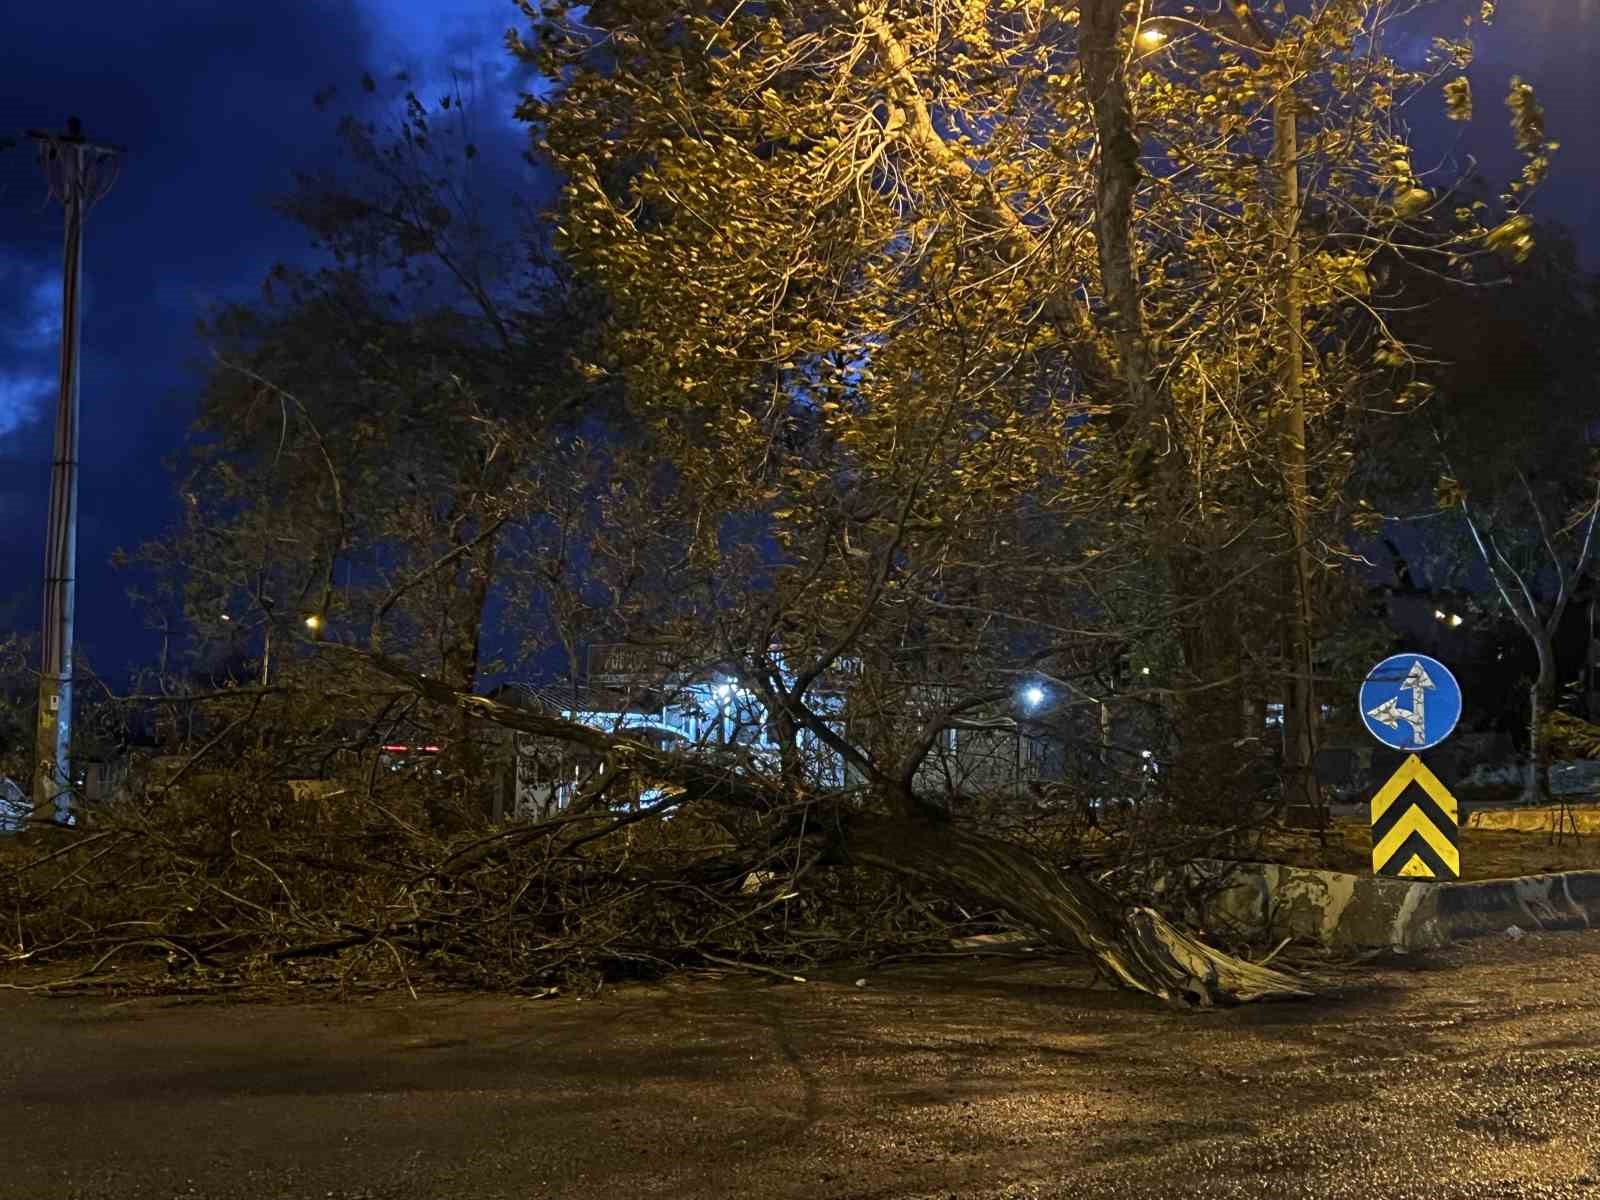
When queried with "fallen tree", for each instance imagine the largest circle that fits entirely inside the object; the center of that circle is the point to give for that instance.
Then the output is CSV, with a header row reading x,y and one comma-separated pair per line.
x,y
919,842
225,881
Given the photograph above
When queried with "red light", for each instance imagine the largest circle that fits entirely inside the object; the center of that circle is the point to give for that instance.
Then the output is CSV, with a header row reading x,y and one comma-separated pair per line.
x,y
394,748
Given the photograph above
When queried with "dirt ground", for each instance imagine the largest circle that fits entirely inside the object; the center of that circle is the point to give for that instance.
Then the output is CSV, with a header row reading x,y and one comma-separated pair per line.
x,y
1485,854
1469,1075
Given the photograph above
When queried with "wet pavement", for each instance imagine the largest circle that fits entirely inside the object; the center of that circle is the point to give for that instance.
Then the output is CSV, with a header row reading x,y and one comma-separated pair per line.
x,y
1471,1074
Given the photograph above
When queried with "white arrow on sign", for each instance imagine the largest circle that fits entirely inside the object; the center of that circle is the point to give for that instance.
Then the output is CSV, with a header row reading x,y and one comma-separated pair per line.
x,y
1391,714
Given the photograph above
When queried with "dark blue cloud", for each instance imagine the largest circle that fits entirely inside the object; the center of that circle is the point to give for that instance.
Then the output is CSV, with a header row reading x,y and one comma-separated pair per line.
x,y
214,101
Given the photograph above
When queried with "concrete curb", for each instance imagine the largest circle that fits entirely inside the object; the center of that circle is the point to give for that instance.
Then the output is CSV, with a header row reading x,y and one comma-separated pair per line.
x,y
1361,912
1540,819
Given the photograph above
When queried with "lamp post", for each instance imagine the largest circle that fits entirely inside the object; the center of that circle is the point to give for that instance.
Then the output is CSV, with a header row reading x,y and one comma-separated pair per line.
x,y
80,173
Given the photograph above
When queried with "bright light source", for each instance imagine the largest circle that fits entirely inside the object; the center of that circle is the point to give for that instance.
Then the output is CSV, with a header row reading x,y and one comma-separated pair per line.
x,y
1438,614
313,622
1152,36
1144,670
1034,696
1455,619
226,617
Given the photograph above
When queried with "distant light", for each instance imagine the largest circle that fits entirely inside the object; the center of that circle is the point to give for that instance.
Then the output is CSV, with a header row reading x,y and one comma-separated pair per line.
x,y
313,622
226,617
1455,619
1034,696
1144,670
1438,614
1152,36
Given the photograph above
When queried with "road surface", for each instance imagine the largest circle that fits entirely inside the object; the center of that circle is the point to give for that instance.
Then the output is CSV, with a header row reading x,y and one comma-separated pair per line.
x,y
1474,1074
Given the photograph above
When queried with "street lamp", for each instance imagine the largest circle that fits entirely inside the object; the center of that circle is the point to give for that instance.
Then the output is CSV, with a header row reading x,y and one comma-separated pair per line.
x,y
1033,696
1152,37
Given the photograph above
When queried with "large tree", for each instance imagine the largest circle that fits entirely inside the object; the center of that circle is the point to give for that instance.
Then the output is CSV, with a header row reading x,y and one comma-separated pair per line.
x,y
933,387
381,439
930,400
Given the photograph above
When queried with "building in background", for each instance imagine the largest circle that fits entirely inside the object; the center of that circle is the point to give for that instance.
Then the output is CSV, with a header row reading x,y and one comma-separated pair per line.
x,y
1013,750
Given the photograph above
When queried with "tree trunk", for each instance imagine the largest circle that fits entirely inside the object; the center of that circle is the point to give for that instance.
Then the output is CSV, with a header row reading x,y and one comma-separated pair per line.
x,y
1209,716
460,661
1136,945
1299,701
1116,180
1542,702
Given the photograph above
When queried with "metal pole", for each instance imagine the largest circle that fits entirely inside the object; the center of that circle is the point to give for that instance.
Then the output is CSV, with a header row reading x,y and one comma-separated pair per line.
x,y
72,165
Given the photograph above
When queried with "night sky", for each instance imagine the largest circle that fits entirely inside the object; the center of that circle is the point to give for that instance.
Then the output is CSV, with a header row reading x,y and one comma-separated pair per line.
x,y
215,101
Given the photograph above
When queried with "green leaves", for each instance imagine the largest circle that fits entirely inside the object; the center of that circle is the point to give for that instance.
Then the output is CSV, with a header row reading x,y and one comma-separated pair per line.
x,y
1412,202
1527,117
1513,237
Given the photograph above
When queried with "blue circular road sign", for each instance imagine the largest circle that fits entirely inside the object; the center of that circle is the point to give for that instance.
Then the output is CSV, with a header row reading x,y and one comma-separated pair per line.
x,y
1410,702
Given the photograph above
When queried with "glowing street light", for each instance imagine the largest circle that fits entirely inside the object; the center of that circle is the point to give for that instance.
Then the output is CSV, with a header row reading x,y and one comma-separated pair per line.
x,y
1033,696
313,622
1152,36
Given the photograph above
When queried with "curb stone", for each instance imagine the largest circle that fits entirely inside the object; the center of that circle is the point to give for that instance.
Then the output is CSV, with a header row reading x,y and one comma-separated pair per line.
x,y
1540,819
1363,912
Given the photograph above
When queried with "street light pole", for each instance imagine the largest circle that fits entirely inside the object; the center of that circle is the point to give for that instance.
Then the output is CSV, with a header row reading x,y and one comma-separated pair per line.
x,y
79,172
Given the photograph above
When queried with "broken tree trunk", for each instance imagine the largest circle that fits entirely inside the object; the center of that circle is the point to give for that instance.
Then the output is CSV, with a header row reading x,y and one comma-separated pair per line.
x,y
1135,944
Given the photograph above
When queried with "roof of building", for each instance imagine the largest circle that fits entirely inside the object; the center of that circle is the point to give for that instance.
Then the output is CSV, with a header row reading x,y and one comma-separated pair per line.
x,y
568,697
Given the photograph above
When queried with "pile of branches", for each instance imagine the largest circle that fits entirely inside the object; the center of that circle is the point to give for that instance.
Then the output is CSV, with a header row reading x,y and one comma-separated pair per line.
x,y
228,880
223,880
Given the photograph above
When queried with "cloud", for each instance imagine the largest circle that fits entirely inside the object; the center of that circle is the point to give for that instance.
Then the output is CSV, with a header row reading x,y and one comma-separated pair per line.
x,y
23,396
438,44
30,337
37,320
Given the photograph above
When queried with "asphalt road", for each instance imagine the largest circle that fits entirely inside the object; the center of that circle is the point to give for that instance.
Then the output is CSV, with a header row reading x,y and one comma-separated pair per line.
x,y
1474,1074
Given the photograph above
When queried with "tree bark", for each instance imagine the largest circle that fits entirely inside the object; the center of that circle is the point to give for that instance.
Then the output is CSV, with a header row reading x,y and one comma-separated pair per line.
x,y
1116,180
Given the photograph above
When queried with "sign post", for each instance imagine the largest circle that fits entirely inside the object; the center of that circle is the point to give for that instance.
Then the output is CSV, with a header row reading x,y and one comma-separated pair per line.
x,y
1411,703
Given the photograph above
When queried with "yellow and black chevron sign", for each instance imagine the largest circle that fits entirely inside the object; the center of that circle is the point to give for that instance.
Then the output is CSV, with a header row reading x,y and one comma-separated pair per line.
x,y
1415,830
